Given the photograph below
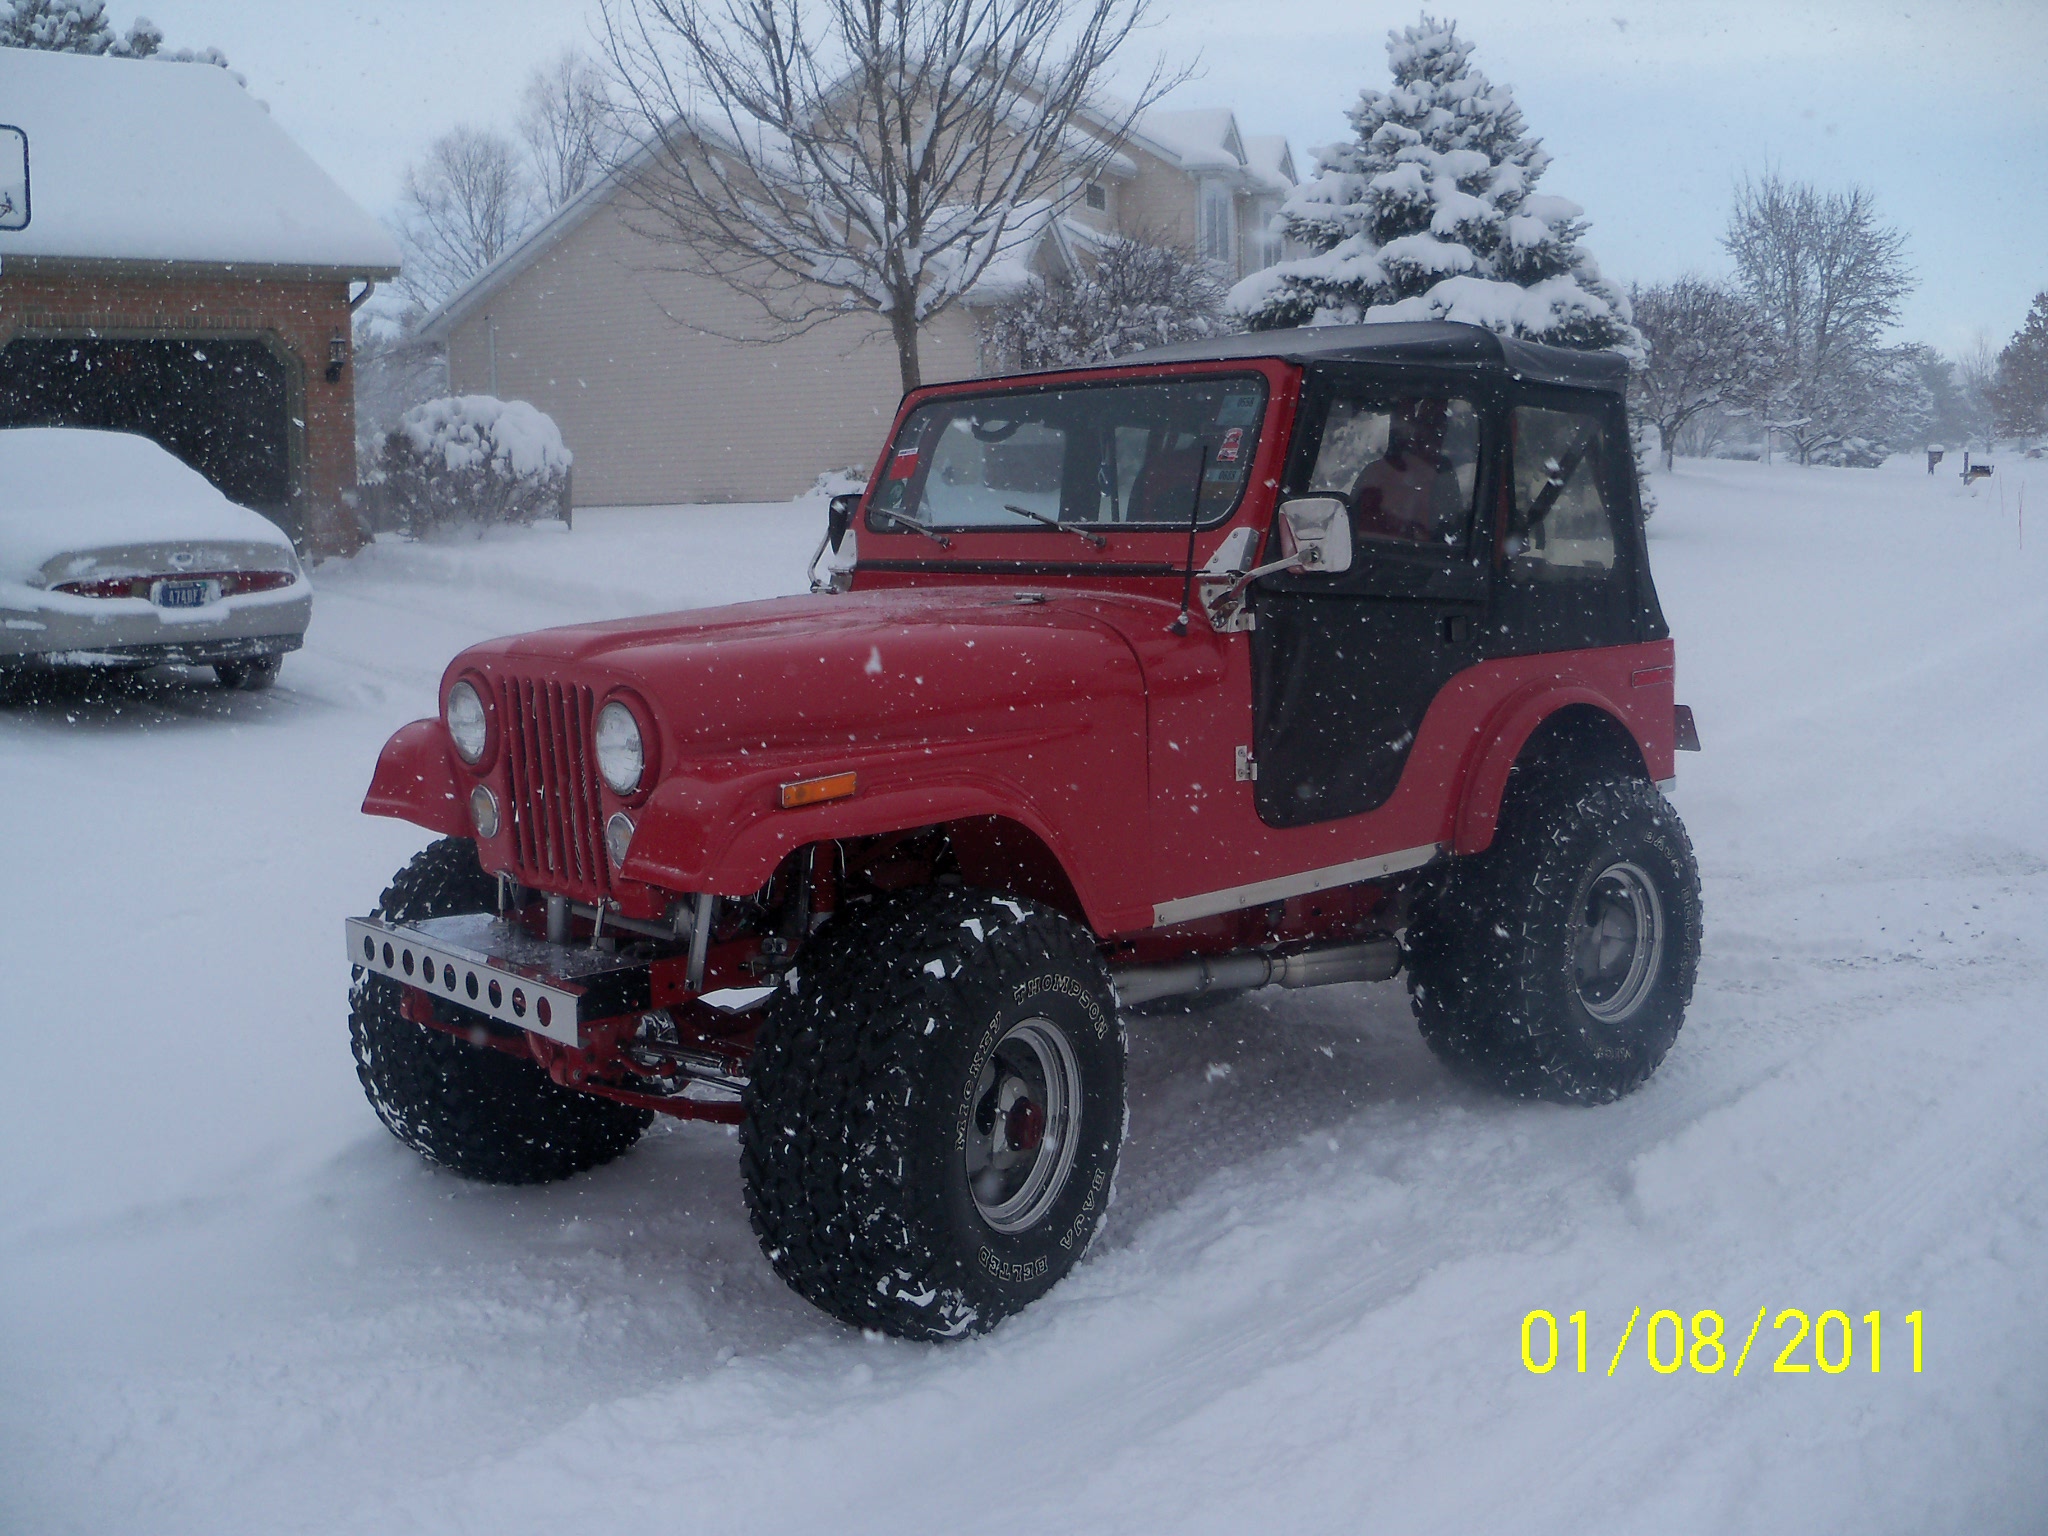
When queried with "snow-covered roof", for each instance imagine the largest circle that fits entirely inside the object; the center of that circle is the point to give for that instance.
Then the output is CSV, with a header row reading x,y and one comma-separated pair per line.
x,y
1202,138
144,160
1273,158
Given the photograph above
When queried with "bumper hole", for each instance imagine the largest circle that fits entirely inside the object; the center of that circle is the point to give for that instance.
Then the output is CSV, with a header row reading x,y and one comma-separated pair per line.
x,y
519,1002
542,1011
369,949
497,995
405,962
470,986
427,970
389,959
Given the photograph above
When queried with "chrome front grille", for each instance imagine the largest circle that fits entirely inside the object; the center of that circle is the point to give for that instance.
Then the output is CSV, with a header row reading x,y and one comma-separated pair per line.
x,y
557,820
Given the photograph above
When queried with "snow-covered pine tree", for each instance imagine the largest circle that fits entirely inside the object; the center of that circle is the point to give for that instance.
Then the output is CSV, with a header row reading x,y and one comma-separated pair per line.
x,y
2019,394
1433,214
81,26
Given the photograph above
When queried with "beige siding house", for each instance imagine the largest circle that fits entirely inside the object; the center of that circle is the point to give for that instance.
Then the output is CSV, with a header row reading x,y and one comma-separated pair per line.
x,y
637,363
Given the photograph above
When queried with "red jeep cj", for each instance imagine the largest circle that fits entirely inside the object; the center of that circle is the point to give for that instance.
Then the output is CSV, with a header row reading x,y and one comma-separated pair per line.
x,y
1305,657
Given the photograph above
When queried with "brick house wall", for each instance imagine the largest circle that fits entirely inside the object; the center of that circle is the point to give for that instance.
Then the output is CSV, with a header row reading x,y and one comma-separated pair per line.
x,y
294,315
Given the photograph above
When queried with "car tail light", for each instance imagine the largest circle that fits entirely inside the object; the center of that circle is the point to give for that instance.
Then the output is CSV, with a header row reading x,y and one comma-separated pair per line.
x,y
112,586
232,583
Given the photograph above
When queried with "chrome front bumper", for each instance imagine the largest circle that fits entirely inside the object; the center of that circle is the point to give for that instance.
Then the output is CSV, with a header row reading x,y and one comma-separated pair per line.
x,y
500,970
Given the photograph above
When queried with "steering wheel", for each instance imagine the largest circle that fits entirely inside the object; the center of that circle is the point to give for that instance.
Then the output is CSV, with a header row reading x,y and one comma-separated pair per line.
x,y
994,431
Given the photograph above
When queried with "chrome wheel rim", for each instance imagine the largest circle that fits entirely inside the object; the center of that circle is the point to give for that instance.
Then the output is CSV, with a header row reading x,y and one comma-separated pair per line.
x,y
1618,942
1022,1136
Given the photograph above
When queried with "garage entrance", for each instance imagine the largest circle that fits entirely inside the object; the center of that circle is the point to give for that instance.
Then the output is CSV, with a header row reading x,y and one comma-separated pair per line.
x,y
223,406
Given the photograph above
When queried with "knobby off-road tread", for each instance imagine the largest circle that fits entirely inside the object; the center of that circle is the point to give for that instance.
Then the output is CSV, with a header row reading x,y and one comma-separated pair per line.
x,y
470,1108
854,1181
1489,961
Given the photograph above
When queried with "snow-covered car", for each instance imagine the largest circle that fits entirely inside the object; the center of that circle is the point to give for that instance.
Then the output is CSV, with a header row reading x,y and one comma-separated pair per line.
x,y
113,553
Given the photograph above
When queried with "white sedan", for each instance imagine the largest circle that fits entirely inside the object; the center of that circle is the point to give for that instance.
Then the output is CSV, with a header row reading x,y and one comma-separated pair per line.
x,y
113,553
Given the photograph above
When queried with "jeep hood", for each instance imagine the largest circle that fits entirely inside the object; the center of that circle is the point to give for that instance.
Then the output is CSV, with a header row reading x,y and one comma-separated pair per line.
x,y
814,677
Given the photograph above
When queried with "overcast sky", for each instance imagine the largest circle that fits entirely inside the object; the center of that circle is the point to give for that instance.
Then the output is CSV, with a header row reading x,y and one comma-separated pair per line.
x,y
1651,108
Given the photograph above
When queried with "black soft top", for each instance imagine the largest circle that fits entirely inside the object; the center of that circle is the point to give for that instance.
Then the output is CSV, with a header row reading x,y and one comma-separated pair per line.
x,y
1438,342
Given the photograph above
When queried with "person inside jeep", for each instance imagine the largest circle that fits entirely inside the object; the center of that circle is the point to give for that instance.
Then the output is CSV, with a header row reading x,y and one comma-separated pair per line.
x,y
1406,467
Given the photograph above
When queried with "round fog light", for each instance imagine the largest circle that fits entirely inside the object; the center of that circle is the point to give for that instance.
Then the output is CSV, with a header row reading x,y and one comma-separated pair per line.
x,y
483,811
618,837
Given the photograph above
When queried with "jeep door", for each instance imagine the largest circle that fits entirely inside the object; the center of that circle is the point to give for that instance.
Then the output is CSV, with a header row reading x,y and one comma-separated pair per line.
x,y
1345,666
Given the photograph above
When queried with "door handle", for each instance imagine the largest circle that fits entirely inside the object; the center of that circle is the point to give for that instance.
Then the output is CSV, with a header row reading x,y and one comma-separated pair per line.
x,y
1456,629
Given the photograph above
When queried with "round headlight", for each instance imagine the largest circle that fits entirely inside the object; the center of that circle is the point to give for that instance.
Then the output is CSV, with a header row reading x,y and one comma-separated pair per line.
x,y
483,811
620,756
467,723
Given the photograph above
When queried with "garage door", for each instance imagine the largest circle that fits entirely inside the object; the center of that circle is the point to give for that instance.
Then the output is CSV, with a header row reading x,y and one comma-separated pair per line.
x,y
221,406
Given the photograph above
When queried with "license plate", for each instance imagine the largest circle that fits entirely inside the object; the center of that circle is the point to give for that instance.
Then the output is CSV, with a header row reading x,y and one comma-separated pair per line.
x,y
185,594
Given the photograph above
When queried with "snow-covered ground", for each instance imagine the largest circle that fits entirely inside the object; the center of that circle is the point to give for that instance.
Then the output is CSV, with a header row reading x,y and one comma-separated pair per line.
x,y
230,1302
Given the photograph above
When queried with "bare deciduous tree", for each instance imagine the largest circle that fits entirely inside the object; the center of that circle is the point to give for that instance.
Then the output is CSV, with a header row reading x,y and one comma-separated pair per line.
x,y
564,119
1138,294
1828,278
1708,350
462,206
827,157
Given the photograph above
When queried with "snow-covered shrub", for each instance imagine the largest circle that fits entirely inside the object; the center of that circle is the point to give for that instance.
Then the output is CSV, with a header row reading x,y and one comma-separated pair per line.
x,y
473,459
1136,295
836,482
1432,213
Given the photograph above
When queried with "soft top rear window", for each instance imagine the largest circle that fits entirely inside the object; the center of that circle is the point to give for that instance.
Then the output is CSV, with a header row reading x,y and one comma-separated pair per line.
x,y
1131,454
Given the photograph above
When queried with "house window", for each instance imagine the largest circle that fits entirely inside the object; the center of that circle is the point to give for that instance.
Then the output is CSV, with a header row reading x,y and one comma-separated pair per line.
x,y
1218,236
1098,196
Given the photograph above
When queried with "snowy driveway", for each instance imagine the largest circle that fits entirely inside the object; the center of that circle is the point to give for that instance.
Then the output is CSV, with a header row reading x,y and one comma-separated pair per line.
x,y
230,1302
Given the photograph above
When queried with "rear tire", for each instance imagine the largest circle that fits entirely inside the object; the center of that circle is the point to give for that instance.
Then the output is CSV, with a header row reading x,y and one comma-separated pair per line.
x,y
250,676
473,1109
1559,963
935,1111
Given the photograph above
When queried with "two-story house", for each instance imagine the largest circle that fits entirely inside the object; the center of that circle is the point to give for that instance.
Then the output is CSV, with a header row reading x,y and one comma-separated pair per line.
x,y
591,320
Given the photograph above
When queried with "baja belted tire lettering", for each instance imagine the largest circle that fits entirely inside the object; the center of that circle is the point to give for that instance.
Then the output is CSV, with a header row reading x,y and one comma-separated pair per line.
x,y
867,1095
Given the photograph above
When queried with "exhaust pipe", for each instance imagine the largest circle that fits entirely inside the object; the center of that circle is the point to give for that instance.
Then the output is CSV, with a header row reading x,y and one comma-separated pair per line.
x,y
1375,960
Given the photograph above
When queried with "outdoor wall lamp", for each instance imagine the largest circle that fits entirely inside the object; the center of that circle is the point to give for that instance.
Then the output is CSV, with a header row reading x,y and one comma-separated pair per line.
x,y
337,356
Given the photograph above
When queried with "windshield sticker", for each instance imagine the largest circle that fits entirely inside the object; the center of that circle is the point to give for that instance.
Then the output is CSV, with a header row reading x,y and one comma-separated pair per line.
x,y
1238,411
904,464
1232,441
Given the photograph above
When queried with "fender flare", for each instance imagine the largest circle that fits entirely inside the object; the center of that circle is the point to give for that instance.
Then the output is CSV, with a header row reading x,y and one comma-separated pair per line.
x,y
1507,733
416,780
673,846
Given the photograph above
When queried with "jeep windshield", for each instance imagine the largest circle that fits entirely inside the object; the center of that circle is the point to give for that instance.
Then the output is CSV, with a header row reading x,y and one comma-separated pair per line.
x,y
1125,454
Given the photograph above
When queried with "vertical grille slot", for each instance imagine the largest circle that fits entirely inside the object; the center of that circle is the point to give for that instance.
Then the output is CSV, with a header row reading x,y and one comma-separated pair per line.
x,y
551,768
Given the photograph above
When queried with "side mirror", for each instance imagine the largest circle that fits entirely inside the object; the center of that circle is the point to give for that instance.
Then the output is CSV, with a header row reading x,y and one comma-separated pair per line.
x,y
839,517
1317,529
14,209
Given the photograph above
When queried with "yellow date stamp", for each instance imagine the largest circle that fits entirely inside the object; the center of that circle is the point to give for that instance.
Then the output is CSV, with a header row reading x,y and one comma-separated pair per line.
x,y
1830,1342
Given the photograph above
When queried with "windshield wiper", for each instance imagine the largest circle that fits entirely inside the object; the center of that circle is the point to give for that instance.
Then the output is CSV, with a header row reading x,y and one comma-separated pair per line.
x,y
912,524
1095,539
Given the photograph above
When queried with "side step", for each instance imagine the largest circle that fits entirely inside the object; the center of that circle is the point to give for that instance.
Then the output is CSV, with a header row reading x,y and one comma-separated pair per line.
x,y
1375,960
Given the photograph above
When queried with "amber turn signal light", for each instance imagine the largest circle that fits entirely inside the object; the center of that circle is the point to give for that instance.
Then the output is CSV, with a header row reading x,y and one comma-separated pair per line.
x,y
835,786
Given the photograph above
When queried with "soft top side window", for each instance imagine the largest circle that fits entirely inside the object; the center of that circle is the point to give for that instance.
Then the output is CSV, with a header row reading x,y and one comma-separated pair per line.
x,y
1406,465
1560,526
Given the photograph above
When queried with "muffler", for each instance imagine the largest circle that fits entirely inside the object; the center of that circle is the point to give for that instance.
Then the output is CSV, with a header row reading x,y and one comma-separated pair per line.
x,y
1374,960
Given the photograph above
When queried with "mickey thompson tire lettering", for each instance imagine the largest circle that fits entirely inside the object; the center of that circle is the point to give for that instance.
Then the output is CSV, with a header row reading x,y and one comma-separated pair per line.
x,y
1490,960
865,1086
470,1108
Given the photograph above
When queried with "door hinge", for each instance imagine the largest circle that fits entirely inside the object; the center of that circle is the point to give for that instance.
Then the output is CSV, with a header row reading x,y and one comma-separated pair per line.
x,y
1247,766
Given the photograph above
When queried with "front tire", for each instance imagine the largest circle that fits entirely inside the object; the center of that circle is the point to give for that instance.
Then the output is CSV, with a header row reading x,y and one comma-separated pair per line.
x,y
473,1109
935,1112
1559,963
